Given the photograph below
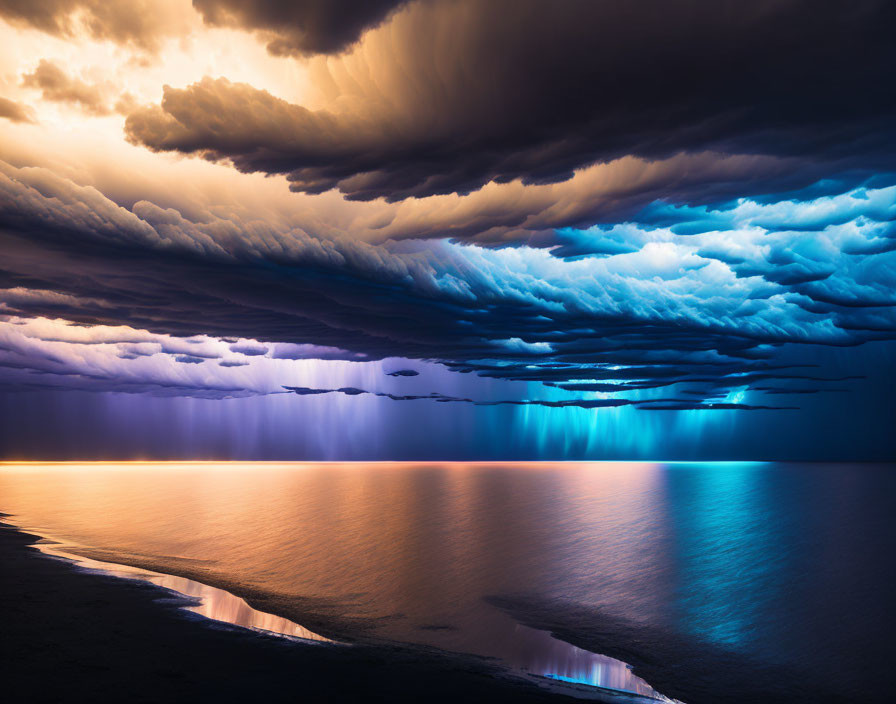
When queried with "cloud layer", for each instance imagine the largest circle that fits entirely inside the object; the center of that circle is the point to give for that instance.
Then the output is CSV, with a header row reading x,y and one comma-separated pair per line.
x,y
450,95
705,309
536,206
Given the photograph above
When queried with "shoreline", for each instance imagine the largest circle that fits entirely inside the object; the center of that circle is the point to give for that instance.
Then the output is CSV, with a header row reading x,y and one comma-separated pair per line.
x,y
106,638
204,600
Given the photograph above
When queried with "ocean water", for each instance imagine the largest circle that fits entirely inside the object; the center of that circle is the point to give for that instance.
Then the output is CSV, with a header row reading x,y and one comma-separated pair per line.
x,y
716,581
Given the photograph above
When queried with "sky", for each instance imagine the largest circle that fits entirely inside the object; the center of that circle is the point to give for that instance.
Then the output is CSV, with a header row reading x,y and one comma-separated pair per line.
x,y
447,229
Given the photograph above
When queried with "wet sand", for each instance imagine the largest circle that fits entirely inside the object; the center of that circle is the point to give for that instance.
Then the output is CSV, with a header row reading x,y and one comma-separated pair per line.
x,y
68,635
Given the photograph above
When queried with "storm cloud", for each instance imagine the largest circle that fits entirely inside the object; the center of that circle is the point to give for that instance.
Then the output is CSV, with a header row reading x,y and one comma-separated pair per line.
x,y
447,96
706,310
516,220
299,26
652,404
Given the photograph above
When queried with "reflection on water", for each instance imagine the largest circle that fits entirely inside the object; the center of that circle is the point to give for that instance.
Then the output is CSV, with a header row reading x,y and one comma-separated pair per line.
x,y
532,651
789,565
541,654
209,601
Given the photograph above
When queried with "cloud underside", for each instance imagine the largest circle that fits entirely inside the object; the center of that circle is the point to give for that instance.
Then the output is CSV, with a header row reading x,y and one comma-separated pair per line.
x,y
290,27
448,96
703,310
300,27
670,404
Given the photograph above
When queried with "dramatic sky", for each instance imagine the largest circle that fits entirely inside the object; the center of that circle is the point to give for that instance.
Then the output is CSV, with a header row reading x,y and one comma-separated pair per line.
x,y
447,229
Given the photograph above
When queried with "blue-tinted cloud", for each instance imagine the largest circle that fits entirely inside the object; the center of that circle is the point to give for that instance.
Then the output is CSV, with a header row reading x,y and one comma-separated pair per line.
x,y
703,310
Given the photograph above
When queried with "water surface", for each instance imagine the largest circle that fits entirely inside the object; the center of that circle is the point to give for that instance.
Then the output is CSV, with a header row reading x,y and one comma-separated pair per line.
x,y
786,566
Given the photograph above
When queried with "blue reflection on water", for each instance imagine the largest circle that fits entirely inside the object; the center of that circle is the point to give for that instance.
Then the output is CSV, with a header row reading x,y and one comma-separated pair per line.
x,y
725,543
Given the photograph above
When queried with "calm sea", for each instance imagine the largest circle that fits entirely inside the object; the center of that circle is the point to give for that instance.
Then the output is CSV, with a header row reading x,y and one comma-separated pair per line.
x,y
735,578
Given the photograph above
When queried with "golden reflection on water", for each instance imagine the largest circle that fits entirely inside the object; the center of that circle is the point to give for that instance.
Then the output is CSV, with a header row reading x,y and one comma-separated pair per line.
x,y
207,601
413,547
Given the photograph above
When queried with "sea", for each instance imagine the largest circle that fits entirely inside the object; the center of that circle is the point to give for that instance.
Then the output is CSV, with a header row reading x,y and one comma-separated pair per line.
x,y
698,582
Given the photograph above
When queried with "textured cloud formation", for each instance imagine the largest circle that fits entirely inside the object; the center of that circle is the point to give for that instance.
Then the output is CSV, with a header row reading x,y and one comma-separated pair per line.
x,y
58,86
450,95
141,23
705,309
37,353
496,212
299,26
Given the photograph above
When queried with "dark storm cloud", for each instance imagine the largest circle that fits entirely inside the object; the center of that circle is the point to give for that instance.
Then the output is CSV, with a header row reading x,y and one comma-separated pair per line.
x,y
659,316
57,86
15,112
249,349
783,391
711,405
457,93
652,404
290,27
299,26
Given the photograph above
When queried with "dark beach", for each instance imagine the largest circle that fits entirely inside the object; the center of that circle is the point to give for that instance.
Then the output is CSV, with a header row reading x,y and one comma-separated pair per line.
x,y
68,635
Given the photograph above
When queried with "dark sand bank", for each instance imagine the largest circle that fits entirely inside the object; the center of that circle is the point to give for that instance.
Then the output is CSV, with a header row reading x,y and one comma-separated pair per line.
x,y
67,635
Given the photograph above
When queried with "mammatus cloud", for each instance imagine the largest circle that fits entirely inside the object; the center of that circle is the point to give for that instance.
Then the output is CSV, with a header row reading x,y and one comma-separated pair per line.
x,y
57,86
15,112
447,96
301,27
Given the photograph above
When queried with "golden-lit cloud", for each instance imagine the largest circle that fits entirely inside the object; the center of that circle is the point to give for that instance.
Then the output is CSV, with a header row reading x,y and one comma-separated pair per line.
x,y
15,112
57,86
447,96
139,23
